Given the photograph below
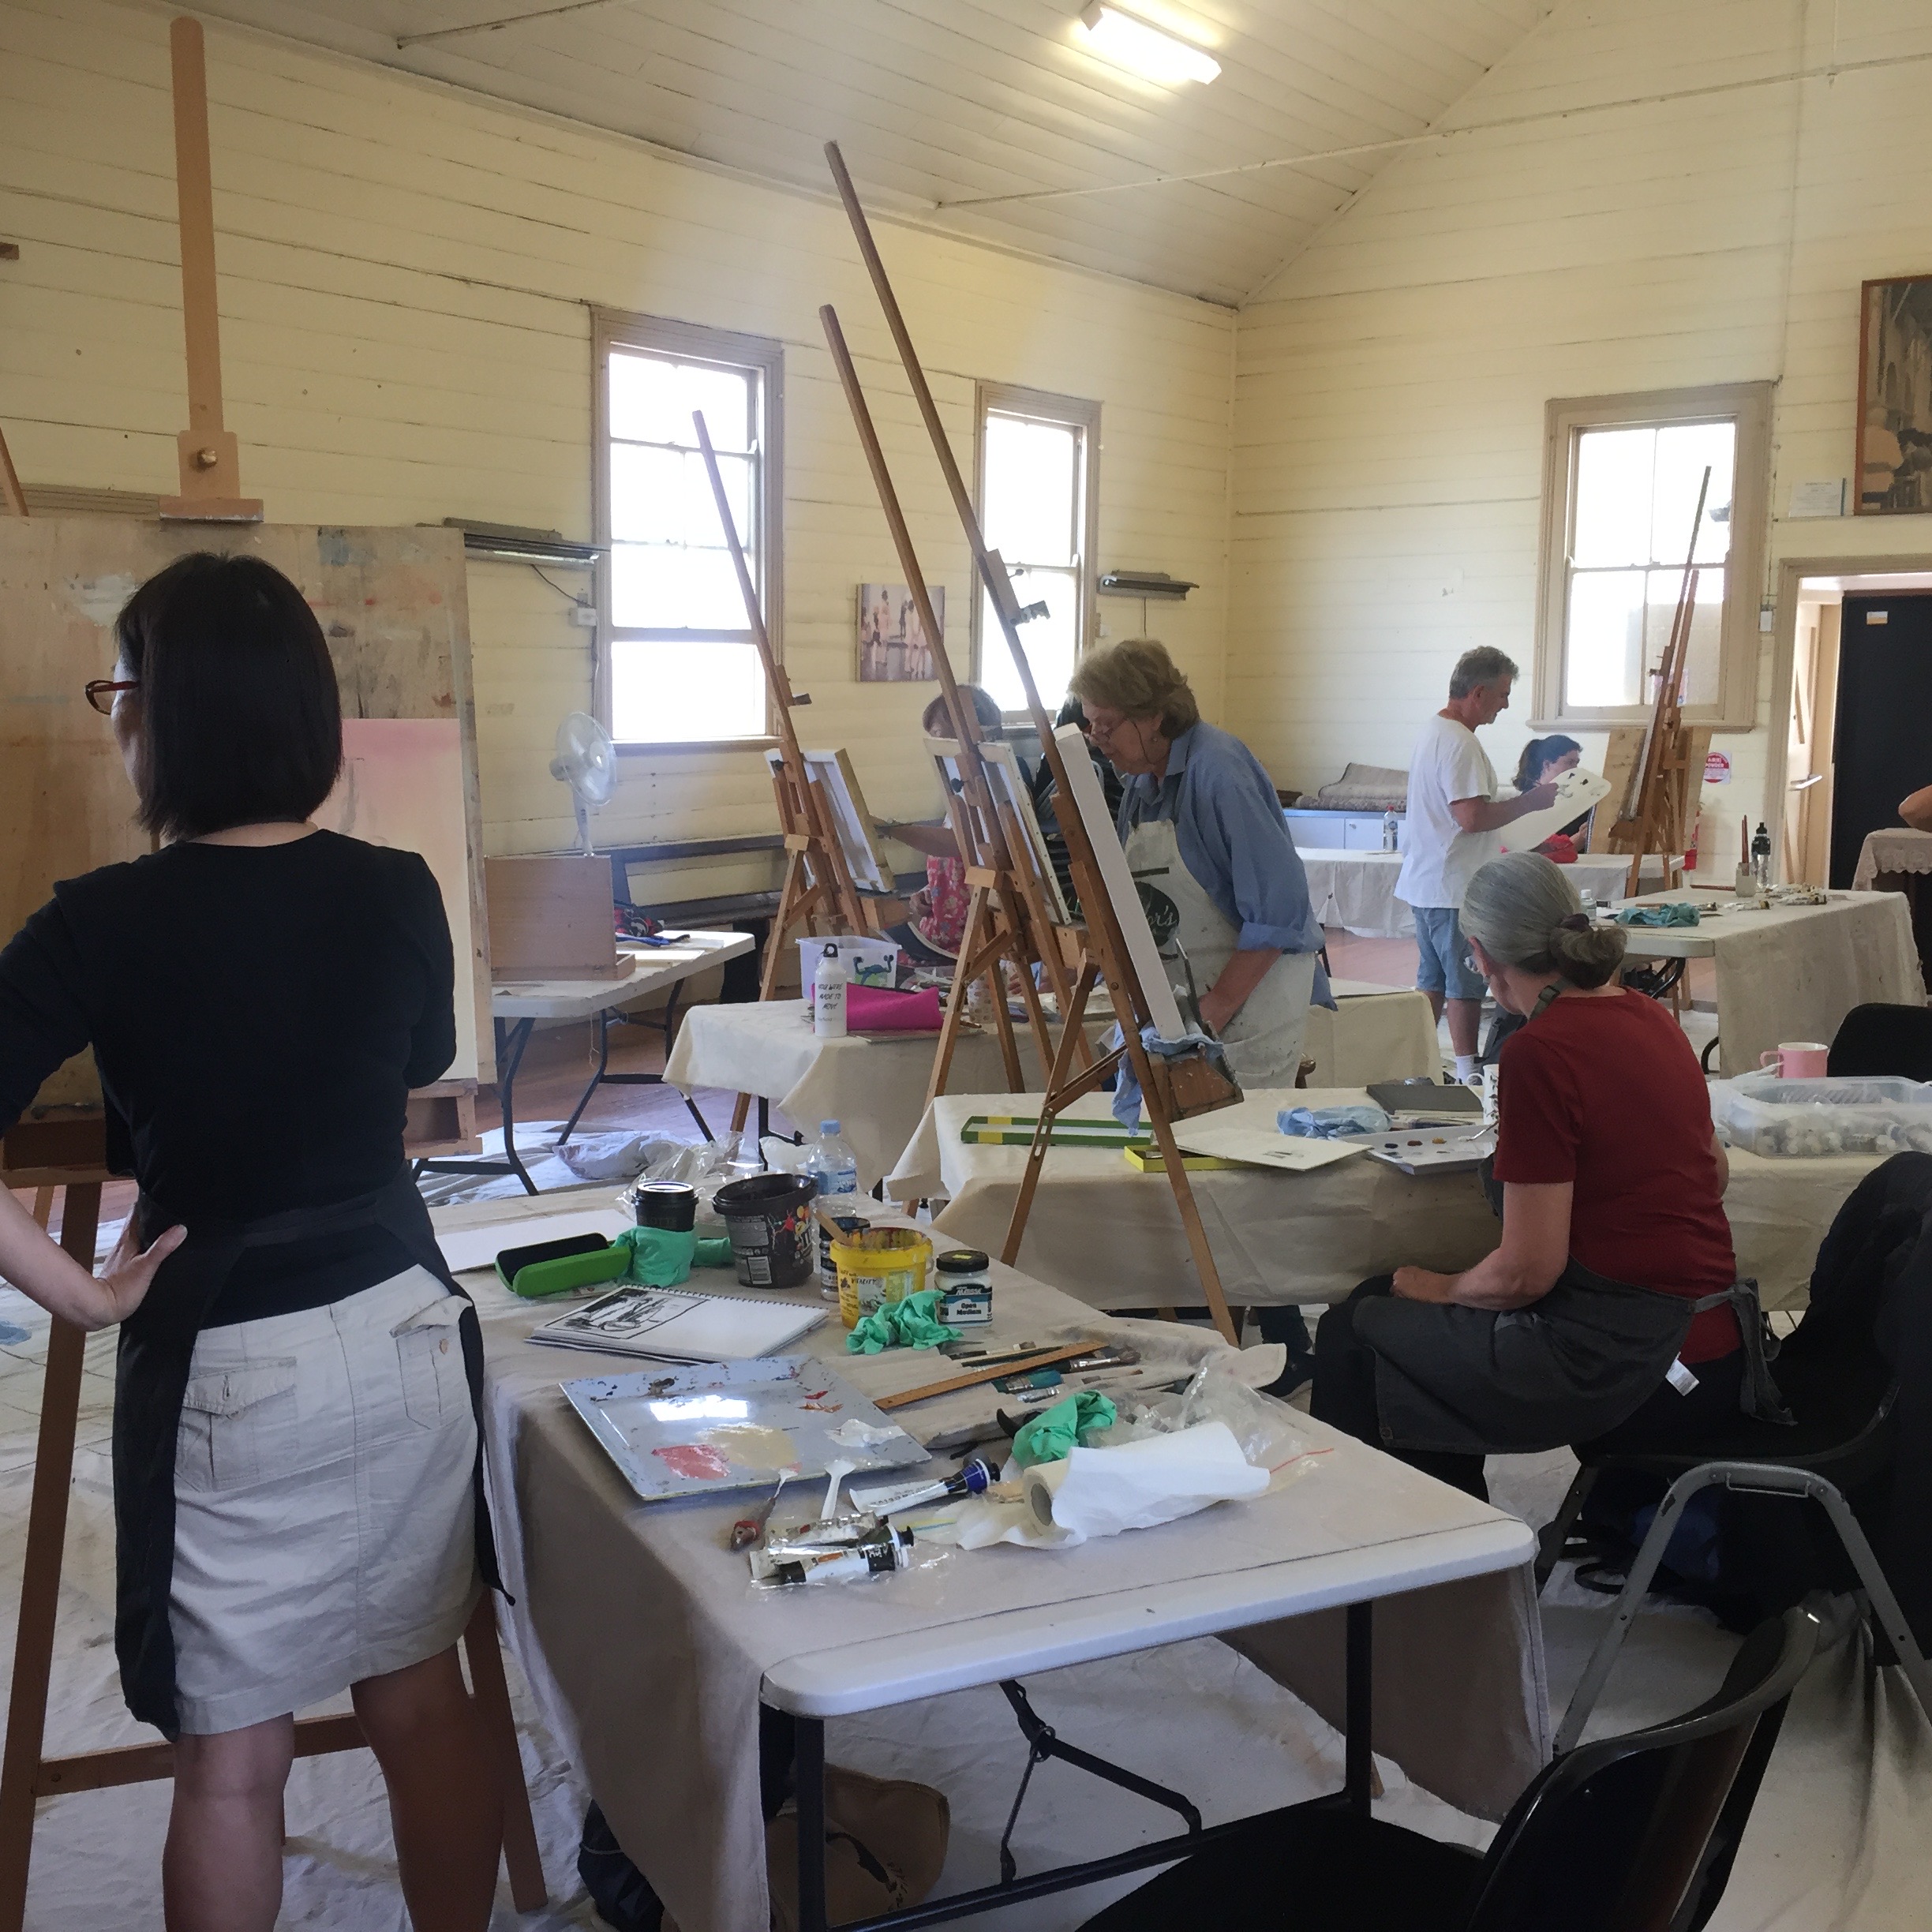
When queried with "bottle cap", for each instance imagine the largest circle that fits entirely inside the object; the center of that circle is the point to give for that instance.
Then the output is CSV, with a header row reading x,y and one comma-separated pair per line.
x,y
825,1127
960,1261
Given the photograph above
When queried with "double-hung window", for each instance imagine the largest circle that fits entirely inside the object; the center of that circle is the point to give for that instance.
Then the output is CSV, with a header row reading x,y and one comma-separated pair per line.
x,y
678,666
1621,478
1039,506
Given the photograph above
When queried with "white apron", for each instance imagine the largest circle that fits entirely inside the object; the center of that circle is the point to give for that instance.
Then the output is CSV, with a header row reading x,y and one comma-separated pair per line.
x,y
1264,1040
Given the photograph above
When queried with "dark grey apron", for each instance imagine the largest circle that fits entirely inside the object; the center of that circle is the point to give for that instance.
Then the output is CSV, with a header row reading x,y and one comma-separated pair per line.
x,y
156,1346
1570,1367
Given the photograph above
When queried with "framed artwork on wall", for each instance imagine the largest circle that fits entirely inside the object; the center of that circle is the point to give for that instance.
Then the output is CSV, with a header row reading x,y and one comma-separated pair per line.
x,y
1895,397
893,648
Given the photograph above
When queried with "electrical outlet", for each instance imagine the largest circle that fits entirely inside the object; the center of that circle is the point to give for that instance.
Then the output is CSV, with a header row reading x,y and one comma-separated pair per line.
x,y
584,616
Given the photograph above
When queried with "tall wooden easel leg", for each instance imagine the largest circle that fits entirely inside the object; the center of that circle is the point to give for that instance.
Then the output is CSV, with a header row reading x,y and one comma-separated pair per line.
x,y
1073,1014
492,1692
47,1533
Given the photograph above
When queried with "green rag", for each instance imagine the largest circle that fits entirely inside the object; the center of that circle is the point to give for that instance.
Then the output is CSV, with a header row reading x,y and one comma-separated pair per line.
x,y
714,1253
1678,912
1049,1437
913,1323
660,1257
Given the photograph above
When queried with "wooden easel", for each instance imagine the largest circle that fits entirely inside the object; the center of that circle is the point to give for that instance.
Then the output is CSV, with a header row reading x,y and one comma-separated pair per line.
x,y
1172,1090
1006,920
65,1149
1659,800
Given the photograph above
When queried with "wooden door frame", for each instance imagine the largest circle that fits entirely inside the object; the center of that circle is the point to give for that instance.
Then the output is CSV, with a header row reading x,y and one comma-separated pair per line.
x,y
1791,573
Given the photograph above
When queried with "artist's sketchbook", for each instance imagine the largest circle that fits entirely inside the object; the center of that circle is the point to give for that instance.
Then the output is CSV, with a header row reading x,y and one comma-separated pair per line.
x,y
671,1324
478,1247
1577,791
1260,1147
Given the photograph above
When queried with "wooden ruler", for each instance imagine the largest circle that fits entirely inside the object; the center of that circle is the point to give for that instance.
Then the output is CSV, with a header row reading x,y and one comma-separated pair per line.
x,y
1045,1359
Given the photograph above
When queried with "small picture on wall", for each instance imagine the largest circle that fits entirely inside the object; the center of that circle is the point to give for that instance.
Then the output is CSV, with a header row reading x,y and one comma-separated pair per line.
x,y
1895,397
893,648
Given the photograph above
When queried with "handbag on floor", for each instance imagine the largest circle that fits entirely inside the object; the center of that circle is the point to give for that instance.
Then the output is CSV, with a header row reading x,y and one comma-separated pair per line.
x,y
885,1843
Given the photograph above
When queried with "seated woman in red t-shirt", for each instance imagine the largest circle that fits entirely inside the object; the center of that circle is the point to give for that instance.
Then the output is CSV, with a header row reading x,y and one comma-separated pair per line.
x,y
1583,1321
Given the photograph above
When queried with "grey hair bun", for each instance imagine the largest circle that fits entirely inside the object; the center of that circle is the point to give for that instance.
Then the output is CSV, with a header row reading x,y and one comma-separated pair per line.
x,y
1526,914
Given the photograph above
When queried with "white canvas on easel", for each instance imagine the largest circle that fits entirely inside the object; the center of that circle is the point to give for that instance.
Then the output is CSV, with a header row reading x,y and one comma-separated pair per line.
x,y
1111,860
858,833
1009,788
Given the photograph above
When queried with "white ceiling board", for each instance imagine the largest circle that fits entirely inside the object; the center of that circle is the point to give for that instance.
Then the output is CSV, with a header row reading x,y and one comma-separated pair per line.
x,y
985,117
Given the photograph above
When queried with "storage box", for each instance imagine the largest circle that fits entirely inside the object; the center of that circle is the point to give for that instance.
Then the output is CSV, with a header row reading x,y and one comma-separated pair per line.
x,y
1763,1114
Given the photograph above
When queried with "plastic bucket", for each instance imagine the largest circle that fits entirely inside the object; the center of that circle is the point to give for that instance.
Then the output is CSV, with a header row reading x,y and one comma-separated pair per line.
x,y
880,1266
769,1217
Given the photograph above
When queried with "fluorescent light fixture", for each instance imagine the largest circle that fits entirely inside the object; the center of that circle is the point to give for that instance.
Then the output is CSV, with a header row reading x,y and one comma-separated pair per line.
x,y
1150,51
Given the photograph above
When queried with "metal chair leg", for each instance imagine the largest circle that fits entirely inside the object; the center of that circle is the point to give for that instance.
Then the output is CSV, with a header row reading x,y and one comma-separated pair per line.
x,y
1556,1533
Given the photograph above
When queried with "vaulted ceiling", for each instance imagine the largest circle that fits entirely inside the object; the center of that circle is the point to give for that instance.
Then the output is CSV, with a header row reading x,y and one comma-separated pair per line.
x,y
989,118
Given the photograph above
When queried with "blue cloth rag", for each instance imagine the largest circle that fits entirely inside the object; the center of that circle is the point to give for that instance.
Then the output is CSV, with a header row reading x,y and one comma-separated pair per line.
x,y
1127,1085
1331,1123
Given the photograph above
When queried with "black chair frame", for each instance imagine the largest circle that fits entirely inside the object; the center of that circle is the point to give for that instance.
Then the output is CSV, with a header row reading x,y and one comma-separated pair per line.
x,y
1754,1479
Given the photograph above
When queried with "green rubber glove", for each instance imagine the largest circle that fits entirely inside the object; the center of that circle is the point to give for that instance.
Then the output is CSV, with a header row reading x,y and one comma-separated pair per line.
x,y
660,1257
913,1323
1049,1437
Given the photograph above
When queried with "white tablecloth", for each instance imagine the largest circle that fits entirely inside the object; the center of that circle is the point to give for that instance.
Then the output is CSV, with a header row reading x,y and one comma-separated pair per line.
x,y
1356,890
1794,972
875,1087
1111,1236
645,1644
1892,849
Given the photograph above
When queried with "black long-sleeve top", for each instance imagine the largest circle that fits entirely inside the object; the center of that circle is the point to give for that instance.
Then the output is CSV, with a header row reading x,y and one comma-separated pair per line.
x,y
258,1015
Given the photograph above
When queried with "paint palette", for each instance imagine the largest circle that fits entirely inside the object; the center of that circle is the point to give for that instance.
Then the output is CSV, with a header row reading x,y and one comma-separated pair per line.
x,y
1430,1150
718,1426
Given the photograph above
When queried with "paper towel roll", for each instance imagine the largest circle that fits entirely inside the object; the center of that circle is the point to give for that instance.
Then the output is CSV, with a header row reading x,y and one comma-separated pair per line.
x,y
1098,1493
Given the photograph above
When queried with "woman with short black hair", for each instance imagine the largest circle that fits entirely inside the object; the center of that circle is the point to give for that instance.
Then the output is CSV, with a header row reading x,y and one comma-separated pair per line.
x,y
296,1492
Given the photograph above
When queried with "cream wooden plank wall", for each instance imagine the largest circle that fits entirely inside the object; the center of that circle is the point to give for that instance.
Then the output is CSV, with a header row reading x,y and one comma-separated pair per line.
x,y
405,276
1692,218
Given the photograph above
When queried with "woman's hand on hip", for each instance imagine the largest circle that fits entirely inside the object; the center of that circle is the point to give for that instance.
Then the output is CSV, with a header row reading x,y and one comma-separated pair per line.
x,y
131,1269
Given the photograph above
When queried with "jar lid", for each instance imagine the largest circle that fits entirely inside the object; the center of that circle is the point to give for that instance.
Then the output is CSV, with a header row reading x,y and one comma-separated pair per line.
x,y
960,1261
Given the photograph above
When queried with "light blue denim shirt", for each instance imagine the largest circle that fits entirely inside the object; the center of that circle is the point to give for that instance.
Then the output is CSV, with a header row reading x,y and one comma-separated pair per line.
x,y
1228,824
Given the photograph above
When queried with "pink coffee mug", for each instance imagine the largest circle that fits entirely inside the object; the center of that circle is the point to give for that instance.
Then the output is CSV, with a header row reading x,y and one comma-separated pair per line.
x,y
1797,1059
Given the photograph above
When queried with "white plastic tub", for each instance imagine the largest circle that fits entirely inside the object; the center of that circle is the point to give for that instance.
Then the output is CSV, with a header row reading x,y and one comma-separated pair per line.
x,y
1764,1115
867,962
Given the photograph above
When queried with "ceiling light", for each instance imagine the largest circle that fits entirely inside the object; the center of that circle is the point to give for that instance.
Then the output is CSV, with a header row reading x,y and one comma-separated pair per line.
x,y
1151,52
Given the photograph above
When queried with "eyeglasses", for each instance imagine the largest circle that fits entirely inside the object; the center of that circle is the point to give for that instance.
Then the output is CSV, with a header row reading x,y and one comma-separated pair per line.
x,y
101,691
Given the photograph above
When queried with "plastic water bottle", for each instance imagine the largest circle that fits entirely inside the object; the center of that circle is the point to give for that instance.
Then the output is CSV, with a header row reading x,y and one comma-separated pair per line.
x,y
1388,831
834,1169
829,997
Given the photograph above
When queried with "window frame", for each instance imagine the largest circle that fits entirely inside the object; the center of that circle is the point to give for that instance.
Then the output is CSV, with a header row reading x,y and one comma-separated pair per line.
x,y
690,342
1747,404
1079,413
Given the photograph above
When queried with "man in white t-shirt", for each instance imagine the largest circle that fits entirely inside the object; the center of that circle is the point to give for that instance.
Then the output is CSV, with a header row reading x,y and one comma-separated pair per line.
x,y
1453,819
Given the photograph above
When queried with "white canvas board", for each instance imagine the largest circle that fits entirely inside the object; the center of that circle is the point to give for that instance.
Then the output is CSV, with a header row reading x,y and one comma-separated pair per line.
x,y
402,785
857,835
1009,788
1576,792
1260,1147
1152,970
468,1247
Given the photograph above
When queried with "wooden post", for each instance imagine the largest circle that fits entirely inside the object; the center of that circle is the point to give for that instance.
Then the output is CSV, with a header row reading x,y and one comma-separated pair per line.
x,y
12,495
210,461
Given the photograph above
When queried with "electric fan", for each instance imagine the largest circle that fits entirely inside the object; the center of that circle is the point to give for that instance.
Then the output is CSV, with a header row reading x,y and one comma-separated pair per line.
x,y
586,761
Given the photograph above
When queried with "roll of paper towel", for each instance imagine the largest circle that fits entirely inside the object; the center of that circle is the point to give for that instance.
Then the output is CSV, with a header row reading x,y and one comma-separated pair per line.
x,y
1098,1493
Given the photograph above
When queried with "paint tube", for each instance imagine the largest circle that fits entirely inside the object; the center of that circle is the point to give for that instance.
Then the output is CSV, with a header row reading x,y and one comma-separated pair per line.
x,y
785,1565
973,1479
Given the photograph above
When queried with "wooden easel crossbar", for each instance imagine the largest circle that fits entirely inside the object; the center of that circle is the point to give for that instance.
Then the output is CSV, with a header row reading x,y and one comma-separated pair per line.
x,y
1171,1090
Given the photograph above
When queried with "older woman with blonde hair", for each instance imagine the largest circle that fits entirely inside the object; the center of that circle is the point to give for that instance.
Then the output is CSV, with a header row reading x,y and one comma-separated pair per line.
x,y
1611,1306
1219,876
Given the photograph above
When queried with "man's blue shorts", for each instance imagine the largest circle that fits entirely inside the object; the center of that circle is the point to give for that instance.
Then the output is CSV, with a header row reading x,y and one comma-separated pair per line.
x,y
1445,966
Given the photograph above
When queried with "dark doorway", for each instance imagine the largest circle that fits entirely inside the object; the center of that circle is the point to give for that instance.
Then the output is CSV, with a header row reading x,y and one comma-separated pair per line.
x,y
1882,744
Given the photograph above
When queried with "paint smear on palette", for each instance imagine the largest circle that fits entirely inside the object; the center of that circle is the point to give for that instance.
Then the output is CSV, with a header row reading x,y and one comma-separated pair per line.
x,y
697,1461
753,1446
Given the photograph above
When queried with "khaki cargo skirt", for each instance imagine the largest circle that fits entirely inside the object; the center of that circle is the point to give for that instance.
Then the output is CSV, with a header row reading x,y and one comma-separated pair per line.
x,y
325,1529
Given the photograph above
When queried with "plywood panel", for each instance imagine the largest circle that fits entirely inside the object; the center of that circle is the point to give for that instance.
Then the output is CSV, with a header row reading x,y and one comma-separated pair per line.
x,y
392,604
